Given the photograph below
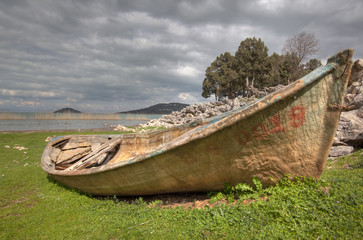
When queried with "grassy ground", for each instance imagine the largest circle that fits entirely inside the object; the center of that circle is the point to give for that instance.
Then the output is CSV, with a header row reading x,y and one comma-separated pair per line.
x,y
33,206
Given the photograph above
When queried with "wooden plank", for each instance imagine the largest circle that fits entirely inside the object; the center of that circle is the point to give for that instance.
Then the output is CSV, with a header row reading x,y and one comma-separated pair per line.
x,y
72,154
72,145
104,148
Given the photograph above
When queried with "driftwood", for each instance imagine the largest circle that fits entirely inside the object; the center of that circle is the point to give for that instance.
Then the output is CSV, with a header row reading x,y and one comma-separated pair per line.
x,y
97,156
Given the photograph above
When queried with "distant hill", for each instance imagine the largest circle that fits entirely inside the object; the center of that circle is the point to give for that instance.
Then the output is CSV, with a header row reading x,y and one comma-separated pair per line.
x,y
67,110
161,108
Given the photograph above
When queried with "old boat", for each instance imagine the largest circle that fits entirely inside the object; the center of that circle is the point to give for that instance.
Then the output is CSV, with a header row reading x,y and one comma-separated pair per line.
x,y
287,132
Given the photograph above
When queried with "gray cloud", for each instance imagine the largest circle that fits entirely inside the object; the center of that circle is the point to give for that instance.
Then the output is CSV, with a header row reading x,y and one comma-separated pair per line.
x,y
109,56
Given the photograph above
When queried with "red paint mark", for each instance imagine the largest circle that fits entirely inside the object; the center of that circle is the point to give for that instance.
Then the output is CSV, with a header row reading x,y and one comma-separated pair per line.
x,y
261,130
213,148
297,116
276,122
242,137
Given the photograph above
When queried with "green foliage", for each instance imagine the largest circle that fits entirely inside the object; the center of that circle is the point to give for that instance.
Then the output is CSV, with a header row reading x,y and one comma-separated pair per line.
x,y
33,206
230,76
240,191
252,67
278,74
221,78
312,65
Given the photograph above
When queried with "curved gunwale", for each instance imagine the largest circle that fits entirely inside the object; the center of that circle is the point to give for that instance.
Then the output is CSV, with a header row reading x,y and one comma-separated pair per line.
x,y
206,128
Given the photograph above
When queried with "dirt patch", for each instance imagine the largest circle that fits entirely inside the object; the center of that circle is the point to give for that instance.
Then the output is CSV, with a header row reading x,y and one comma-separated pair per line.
x,y
184,200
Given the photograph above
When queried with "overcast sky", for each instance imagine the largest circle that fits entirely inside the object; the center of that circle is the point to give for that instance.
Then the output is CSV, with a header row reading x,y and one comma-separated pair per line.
x,y
110,56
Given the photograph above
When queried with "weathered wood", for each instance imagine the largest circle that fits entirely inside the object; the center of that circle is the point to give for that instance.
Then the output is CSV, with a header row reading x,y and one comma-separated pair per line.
x,y
287,132
94,155
93,161
58,144
71,155
72,145
54,155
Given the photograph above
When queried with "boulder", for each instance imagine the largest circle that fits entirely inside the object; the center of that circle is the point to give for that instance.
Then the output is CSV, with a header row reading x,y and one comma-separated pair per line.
x,y
357,71
337,151
354,97
350,129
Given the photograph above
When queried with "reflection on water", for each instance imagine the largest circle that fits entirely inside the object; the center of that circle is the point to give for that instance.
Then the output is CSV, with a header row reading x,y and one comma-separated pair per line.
x,y
36,121
74,116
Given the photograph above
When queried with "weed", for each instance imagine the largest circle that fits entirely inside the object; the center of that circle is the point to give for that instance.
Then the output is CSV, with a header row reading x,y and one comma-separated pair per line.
x,y
33,206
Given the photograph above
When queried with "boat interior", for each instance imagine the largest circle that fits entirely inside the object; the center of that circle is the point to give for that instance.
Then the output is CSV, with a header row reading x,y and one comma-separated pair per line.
x,y
87,151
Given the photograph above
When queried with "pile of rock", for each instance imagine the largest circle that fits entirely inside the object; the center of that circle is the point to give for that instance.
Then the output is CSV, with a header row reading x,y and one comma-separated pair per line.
x,y
201,111
350,130
198,112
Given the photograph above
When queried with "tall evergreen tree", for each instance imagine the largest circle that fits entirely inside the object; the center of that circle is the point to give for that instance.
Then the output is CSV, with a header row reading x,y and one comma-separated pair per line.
x,y
253,66
291,69
278,73
312,65
221,78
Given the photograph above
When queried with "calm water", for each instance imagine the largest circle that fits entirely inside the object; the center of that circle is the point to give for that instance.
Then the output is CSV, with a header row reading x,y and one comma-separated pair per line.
x,y
29,123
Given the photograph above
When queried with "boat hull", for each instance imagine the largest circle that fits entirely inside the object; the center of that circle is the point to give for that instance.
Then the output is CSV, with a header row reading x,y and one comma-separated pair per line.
x,y
288,132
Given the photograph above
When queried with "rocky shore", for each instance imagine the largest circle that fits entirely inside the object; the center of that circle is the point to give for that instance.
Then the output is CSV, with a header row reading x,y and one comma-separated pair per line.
x,y
348,137
198,112
201,111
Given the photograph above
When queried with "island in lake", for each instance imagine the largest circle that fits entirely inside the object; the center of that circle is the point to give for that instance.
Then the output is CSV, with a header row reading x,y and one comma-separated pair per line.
x,y
160,108
67,110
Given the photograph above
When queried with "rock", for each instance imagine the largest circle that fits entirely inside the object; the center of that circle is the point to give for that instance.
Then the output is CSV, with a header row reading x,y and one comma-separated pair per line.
x,y
20,148
202,107
354,97
236,103
273,89
337,151
350,129
360,112
357,71
198,112
123,128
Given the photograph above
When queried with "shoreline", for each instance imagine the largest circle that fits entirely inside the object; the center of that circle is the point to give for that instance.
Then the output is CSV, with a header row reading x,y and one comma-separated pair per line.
x,y
106,129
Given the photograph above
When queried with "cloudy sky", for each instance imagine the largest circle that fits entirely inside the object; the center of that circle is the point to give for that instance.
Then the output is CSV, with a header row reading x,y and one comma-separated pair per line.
x,y
110,56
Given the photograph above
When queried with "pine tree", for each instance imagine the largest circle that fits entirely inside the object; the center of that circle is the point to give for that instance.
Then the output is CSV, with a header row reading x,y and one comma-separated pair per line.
x,y
221,78
253,66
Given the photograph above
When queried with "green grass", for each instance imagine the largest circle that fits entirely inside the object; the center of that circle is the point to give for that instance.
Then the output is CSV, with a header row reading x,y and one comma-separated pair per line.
x,y
32,206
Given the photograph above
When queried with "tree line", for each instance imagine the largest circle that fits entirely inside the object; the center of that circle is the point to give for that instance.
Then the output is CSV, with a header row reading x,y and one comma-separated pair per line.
x,y
251,67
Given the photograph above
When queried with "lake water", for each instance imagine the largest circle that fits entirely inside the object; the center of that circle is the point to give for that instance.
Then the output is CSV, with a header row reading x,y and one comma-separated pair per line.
x,y
36,121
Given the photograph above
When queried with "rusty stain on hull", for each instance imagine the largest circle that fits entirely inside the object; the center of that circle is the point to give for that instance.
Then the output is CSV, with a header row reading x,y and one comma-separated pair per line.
x,y
287,132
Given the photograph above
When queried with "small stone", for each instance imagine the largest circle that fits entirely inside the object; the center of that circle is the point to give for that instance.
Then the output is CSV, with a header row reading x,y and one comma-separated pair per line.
x,y
21,148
